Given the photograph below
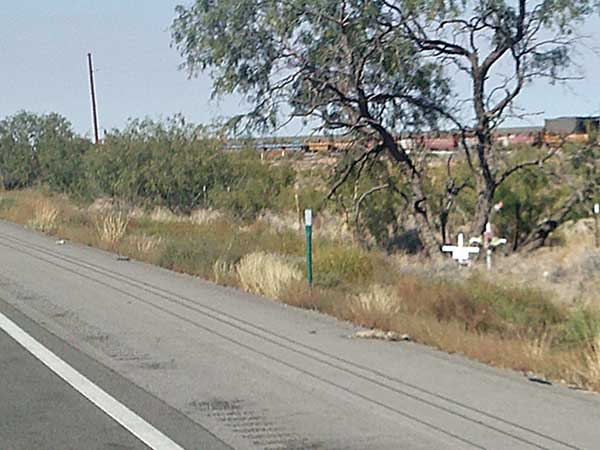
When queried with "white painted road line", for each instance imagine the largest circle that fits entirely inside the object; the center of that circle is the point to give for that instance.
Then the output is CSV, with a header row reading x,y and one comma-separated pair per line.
x,y
119,412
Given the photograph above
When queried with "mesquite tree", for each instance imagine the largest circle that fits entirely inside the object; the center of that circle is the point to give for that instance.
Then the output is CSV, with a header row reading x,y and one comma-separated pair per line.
x,y
500,47
375,70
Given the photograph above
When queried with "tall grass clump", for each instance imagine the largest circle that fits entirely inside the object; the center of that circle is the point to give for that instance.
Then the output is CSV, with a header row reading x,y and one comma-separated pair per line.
x,y
376,307
266,274
144,246
592,359
111,227
224,273
45,217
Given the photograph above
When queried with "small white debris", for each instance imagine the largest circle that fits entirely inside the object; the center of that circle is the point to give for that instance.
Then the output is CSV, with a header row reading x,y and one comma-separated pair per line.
x,y
380,334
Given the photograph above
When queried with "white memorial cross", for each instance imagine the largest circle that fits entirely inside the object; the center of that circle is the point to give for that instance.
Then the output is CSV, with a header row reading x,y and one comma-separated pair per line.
x,y
490,243
460,252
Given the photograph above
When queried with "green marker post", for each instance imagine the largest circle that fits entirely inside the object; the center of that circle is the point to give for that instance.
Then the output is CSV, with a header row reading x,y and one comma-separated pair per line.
x,y
308,230
597,224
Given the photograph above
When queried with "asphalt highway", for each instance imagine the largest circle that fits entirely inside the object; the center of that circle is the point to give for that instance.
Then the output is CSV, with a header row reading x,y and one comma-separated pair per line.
x,y
39,410
208,367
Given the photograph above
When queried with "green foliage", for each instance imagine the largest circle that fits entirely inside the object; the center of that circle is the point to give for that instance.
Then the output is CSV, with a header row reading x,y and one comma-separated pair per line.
x,y
519,307
40,148
171,164
527,198
6,204
535,194
253,185
482,306
167,163
325,47
370,211
583,325
336,264
159,163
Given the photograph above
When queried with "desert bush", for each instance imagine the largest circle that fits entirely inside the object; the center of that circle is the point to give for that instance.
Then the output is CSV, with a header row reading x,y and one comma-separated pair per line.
x,y
521,307
40,148
266,274
157,163
251,186
581,326
191,254
171,163
325,300
336,264
480,306
7,203
195,248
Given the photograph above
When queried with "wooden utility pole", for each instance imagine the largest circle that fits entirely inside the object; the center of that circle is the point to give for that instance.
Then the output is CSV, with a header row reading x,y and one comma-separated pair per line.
x,y
93,92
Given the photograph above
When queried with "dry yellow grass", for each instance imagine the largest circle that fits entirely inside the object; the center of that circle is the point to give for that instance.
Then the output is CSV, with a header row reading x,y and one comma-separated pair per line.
x,y
538,347
266,274
224,273
163,215
377,300
111,227
203,216
592,359
143,244
45,217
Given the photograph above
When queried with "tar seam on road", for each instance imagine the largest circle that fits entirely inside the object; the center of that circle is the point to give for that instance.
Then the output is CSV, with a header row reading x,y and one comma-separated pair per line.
x,y
182,301
133,423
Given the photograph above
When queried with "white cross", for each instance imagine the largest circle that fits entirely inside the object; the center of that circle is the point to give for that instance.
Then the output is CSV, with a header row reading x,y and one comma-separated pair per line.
x,y
460,252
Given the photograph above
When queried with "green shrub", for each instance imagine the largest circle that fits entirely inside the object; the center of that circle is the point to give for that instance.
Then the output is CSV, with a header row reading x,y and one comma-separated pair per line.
x,y
157,163
582,325
480,306
194,256
337,264
41,148
527,311
181,167
251,186
7,203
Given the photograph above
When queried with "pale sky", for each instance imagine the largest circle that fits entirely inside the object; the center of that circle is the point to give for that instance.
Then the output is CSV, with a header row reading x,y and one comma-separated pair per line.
x,y
43,67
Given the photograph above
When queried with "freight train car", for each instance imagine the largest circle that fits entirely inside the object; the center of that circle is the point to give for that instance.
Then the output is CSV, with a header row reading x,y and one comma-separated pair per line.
x,y
555,132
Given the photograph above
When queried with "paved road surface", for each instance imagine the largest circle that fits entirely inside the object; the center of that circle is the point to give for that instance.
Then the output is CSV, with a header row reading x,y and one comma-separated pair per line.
x,y
212,366
39,410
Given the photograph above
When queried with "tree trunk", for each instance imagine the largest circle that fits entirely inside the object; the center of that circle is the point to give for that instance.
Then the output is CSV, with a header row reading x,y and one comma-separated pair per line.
x,y
485,178
428,237
483,209
425,228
